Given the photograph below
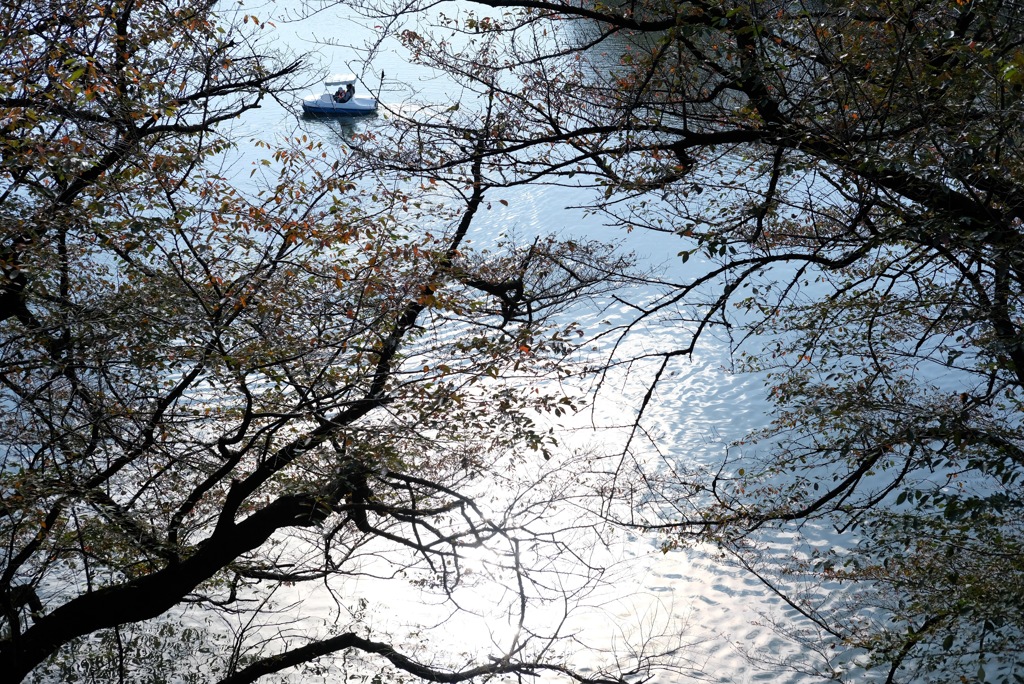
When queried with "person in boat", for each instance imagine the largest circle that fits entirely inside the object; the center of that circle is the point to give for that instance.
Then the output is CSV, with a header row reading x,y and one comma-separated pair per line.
x,y
344,95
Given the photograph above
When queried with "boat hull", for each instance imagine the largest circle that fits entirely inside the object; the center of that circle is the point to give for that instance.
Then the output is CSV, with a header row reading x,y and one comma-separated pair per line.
x,y
326,106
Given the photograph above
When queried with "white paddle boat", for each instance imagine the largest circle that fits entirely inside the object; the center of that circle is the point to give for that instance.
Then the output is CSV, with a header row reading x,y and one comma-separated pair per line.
x,y
339,99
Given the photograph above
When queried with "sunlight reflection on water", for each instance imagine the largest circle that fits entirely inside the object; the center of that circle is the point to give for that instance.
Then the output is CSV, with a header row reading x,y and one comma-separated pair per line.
x,y
705,609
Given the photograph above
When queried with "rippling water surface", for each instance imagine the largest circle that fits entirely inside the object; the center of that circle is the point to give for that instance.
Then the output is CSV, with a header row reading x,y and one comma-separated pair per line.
x,y
717,617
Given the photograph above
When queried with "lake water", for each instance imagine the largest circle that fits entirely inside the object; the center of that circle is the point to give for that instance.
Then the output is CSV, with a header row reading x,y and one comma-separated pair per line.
x,y
716,619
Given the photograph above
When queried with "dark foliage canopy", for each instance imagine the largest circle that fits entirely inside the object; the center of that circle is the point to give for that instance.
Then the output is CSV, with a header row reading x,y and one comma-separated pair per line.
x,y
214,390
